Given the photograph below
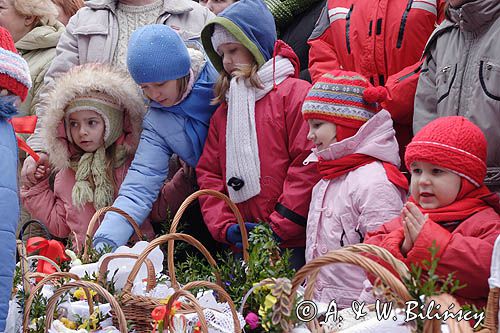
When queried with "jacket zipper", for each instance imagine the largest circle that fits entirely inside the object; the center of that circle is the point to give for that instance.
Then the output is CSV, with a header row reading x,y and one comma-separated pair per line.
x,y
402,27
348,28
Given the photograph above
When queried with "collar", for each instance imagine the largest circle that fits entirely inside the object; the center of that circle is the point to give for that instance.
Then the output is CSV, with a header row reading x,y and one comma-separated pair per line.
x,y
475,14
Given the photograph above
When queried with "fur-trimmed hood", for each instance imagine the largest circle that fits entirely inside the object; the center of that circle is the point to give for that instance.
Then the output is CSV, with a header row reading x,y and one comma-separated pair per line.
x,y
79,81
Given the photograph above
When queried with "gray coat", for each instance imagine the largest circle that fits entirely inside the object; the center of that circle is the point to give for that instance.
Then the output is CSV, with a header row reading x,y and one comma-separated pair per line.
x,y
92,36
461,75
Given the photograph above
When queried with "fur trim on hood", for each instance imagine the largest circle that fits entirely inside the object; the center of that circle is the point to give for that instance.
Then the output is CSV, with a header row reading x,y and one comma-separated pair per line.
x,y
79,81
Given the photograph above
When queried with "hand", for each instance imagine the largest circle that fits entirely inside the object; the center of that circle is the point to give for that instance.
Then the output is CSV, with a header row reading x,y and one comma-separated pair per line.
x,y
233,233
30,167
407,242
413,219
42,172
189,172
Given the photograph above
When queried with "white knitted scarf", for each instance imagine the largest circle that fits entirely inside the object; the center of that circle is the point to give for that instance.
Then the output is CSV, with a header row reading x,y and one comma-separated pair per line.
x,y
242,150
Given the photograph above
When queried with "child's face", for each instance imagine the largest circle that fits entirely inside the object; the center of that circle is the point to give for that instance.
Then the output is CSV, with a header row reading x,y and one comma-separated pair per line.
x,y
216,6
322,133
87,130
166,93
234,56
433,186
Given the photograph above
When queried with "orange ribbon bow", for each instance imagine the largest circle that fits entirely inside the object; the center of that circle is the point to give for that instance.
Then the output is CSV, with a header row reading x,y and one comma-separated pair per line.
x,y
25,125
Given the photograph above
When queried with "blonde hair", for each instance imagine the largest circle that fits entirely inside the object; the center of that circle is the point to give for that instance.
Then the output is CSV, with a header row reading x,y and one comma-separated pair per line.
x,y
45,11
245,72
182,84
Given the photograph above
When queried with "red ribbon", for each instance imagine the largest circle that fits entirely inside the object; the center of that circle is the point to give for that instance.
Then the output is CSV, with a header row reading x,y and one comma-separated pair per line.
x,y
51,249
25,125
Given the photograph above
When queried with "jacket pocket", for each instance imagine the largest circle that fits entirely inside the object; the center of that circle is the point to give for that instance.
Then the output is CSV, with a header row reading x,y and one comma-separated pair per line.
x,y
271,190
351,233
445,77
489,77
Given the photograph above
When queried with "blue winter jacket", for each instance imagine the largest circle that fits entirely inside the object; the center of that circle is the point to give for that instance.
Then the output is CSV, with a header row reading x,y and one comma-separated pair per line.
x,y
166,130
9,208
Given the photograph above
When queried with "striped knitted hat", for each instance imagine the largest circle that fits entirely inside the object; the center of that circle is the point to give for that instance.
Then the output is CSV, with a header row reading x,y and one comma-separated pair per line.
x,y
344,98
453,143
14,71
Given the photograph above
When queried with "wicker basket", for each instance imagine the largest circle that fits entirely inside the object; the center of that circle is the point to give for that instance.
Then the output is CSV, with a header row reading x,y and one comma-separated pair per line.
x,y
117,312
182,209
348,255
54,277
184,291
92,227
492,312
138,308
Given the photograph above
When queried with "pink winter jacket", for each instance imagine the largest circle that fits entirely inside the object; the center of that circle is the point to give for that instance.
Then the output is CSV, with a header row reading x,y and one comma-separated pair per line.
x,y
56,210
344,209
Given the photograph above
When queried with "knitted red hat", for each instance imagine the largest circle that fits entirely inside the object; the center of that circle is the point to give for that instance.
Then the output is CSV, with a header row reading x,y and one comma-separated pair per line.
x,y
453,143
14,71
344,98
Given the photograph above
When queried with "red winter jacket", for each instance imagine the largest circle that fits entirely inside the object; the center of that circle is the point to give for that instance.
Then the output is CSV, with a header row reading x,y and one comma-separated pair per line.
x,y
286,183
465,249
381,39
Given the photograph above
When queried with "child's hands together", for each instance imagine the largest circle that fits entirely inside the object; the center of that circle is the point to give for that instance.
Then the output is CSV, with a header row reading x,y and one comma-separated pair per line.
x,y
41,173
413,220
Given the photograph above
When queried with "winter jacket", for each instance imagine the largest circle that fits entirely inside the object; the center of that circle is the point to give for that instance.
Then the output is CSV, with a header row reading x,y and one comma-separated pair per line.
x,y
38,48
464,249
9,206
285,183
461,75
92,36
164,133
382,40
345,208
54,207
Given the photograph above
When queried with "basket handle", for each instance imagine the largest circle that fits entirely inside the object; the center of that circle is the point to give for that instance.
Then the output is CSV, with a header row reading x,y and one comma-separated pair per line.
x,y
384,254
92,226
347,257
222,294
36,288
151,280
454,326
491,318
187,202
28,223
194,303
51,304
171,268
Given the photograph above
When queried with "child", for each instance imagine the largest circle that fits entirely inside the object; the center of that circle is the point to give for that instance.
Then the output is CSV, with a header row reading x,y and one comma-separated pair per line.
x,y
91,133
449,205
15,81
179,85
257,139
357,155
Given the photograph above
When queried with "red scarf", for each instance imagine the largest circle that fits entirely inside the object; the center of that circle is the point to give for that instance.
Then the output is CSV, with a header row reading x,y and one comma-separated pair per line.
x,y
470,200
335,168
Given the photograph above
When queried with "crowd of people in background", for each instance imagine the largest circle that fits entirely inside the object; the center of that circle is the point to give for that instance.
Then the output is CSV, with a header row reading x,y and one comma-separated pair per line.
x,y
336,122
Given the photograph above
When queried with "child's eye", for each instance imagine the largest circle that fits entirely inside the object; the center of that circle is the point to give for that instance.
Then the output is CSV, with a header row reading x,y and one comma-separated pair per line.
x,y
73,124
437,171
416,171
92,122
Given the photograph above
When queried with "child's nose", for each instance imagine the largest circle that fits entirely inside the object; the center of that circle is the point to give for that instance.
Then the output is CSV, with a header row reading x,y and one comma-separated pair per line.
x,y
83,130
424,178
310,135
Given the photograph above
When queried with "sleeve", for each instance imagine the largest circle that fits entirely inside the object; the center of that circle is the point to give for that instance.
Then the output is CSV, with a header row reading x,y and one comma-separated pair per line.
x,y
289,219
216,214
322,55
426,100
172,195
377,204
66,58
401,88
44,205
139,190
468,256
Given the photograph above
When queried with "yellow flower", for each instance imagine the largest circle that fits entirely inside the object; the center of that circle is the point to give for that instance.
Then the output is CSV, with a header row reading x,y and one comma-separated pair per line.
x,y
80,294
68,323
269,301
165,301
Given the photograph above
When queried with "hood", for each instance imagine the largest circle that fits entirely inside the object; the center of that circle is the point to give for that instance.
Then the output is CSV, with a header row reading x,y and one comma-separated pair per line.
x,y
197,56
251,23
41,37
175,7
475,14
81,80
375,138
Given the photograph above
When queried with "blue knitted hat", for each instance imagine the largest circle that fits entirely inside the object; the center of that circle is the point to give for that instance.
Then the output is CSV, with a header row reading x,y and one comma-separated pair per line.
x,y
156,53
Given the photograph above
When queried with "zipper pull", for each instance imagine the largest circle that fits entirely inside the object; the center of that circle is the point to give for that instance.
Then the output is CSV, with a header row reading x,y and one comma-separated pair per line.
x,y
445,71
489,67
